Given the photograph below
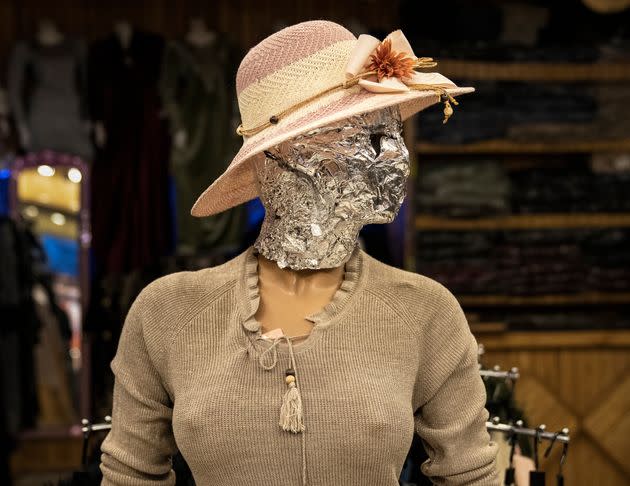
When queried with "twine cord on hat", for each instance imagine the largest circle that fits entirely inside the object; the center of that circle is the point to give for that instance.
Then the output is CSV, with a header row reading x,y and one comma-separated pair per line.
x,y
419,63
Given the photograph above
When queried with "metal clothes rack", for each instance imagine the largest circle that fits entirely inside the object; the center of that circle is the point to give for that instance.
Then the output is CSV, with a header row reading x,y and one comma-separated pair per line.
x,y
513,374
495,425
539,432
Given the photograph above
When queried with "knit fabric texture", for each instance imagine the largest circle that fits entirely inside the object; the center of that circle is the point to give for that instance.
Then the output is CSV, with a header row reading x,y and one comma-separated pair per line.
x,y
390,355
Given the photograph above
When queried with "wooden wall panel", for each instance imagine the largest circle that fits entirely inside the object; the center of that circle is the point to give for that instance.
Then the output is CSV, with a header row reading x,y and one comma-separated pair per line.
x,y
580,380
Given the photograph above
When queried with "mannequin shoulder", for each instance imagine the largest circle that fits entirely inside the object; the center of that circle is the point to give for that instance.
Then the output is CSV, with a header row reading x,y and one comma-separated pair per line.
x,y
407,290
185,290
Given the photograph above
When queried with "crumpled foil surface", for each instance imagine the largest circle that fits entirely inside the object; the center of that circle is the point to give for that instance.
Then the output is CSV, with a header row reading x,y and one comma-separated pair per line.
x,y
321,187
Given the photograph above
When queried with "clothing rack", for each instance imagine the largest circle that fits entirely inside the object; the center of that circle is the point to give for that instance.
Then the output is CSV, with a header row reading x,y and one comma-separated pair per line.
x,y
513,374
87,427
494,425
539,432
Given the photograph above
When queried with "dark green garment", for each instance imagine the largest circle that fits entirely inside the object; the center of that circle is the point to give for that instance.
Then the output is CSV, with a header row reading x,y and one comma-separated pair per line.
x,y
197,89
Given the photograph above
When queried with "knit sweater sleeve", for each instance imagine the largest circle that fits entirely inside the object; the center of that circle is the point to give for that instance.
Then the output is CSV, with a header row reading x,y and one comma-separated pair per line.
x,y
138,449
450,414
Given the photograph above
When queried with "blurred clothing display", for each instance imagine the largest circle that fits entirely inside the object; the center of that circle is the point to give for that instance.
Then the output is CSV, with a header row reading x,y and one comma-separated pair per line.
x,y
610,163
499,107
611,122
515,31
22,259
197,90
52,361
464,188
34,333
543,190
486,188
48,98
131,213
527,262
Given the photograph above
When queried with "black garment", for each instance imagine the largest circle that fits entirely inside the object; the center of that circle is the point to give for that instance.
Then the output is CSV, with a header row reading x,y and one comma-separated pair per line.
x,y
536,478
23,260
199,96
131,212
131,215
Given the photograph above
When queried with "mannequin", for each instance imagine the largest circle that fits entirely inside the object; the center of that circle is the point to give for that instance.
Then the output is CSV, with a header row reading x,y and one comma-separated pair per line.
x,y
47,35
208,361
197,36
197,94
47,92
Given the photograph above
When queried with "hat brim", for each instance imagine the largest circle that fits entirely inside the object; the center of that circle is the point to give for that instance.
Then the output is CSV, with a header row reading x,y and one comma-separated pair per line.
x,y
238,183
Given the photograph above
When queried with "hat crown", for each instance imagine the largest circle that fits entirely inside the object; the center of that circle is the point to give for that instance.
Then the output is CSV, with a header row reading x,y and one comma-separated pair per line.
x,y
289,66
287,46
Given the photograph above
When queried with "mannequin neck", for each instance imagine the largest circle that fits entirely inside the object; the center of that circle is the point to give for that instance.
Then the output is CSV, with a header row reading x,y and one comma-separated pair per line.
x,y
48,34
198,34
123,31
298,282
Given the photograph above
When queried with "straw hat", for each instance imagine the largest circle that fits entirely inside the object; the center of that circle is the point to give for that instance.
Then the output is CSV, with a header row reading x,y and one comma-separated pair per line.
x,y
310,75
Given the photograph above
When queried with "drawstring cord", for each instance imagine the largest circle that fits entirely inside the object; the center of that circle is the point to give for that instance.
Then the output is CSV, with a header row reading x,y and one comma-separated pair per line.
x,y
291,412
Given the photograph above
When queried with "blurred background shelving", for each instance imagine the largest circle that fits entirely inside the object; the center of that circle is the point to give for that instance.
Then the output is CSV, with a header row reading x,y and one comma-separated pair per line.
x,y
539,166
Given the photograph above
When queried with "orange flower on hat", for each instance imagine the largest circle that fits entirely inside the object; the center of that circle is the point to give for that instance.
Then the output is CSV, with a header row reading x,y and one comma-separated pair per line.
x,y
390,64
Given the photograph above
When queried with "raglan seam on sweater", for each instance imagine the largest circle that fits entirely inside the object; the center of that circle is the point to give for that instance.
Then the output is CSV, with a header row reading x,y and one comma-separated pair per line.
x,y
414,332
423,399
405,319
212,300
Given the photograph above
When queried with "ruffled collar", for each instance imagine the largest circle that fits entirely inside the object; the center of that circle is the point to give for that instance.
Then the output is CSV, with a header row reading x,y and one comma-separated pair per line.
x,y
249,295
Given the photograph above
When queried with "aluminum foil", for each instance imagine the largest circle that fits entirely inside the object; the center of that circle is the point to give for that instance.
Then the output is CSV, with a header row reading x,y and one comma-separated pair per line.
x,y
320,188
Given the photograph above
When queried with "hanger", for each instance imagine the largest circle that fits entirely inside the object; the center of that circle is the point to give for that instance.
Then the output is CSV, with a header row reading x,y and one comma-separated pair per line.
x,y
509,472
537,477
563,458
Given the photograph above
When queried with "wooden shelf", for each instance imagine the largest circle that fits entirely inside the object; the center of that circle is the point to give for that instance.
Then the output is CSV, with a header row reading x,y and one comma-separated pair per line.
x,y
514,147
553,340
535,71
590,298
525,222
487,327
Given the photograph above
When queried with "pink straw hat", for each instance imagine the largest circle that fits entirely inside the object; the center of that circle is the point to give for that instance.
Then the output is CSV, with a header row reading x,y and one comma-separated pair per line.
x,y
310,75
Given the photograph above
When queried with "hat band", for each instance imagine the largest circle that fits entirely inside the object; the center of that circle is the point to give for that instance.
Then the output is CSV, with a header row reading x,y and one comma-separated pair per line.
x,y
418,63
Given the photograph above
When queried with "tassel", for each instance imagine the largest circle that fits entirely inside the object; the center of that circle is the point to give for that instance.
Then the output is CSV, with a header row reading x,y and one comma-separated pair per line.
x,y
448,109
291,409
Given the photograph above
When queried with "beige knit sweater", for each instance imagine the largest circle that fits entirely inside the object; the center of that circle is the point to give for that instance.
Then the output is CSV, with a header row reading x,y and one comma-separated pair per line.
x,y
391,354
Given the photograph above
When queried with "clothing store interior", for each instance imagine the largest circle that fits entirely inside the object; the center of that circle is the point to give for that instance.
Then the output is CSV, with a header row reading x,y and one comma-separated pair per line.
x,y
115,116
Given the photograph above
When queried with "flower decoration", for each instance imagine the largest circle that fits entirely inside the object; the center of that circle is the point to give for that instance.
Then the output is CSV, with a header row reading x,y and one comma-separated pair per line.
x,y
389,64
392,67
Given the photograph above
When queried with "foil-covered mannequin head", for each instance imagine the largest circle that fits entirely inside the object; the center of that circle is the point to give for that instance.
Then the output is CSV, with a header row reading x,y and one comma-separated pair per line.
x,y
321,187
